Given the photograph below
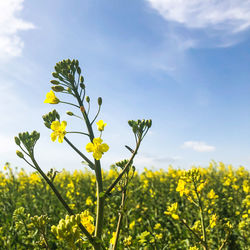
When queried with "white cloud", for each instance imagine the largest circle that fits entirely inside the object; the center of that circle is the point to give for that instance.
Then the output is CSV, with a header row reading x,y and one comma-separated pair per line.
x,y
205,23
11,44
198,146
230,15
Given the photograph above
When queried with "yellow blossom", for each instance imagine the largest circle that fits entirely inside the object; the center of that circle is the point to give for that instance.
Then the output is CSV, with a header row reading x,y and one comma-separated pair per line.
x,y
58,130
211,195
213,220
112,240
89,201
131,225
127,241
101,125
181,188
51,98
157,226
172,210
159,236
97,147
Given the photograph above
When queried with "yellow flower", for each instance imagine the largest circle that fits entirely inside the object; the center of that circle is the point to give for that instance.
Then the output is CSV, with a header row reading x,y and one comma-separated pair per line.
x,y
172,210
112,240
213,220
127,241
97,147
181,188
51,98
211,195
101,125
58,130
87,221
131,225
157,226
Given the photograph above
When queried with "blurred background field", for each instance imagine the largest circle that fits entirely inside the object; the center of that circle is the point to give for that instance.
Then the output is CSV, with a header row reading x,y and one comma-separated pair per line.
x,y
225,195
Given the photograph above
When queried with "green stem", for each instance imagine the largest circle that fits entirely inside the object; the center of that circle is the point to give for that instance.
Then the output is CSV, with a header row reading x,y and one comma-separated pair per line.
x,y
110,188
119,224
98,173
75,132
202,218
70,104
91,164
99,108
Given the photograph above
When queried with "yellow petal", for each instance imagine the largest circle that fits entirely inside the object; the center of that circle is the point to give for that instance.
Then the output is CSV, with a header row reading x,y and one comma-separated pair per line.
x,y
104,147
60,137
63,125
97,155
53,136
97,140
55,125
90,147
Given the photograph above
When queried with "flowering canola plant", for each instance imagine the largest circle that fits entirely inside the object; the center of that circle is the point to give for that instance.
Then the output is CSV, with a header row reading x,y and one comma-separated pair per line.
x,y
88,231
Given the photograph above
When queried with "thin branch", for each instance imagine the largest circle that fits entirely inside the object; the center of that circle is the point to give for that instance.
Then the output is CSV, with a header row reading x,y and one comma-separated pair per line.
x,y
99,108
123,171
75,132
70,104
200,240
91,164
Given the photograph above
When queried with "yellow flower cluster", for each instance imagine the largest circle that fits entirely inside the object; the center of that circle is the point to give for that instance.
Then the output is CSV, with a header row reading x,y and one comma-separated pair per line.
x,y
67,229
172,210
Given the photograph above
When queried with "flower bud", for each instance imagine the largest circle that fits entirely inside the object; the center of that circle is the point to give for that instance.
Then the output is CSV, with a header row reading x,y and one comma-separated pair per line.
x,y
69,113
79,71
17,141
19,154
69,90
82,85
99,101
71,77
47,124
58,88
54,74
87,99
81,79
55,82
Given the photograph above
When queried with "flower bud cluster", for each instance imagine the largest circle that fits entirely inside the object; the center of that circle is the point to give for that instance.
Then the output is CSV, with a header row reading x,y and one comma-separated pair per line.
x,y
68,229
65,71
50,117
40,221
28,140
140,127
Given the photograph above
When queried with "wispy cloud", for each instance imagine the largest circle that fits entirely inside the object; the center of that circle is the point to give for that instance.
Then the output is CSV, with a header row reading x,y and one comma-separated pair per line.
x,y
11,44
146,160
220,21
198,146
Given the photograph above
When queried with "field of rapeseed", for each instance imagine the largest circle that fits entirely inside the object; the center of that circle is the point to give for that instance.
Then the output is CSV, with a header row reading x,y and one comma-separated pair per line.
x,y
201,208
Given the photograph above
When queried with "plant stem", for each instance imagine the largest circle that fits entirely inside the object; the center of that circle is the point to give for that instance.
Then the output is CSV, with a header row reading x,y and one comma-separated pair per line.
x,y
98,173
91,164
123,171
119,224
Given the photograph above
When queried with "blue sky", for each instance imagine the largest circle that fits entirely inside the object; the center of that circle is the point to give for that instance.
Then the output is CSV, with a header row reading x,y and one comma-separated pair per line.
x,y
184,64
